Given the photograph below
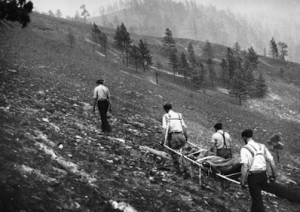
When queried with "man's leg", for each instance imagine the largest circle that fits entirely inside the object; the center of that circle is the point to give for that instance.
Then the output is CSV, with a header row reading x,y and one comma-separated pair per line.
x,y
103,107
172,143
255,180
178,142
176,165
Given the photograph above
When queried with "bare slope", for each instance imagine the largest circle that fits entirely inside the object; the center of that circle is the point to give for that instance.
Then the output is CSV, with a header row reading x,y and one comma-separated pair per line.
x,y
53,157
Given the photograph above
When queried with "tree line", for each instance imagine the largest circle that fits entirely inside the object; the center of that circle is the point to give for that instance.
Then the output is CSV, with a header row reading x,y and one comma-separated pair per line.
x,y
137,53
237,69
194,20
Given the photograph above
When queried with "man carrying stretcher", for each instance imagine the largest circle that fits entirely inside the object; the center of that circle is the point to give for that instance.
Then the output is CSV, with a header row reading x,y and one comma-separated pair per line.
x,y
174,134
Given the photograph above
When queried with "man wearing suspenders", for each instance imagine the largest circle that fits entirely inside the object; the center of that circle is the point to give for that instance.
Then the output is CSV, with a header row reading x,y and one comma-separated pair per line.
x,y
221,142
102,100
174,132
254,158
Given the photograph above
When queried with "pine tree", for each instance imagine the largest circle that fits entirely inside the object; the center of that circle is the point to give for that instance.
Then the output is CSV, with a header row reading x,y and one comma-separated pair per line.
x,y
118,38
51,13
250,65
237,48
84,12
135,54
196,75
146,58
273,49
173,61
202,73
224,69
12,11
230,63
208,50
123,41
58,14
261,86
77,16
184,66
239,86
191,55
99,37
251,59
282,50
168,42
211,71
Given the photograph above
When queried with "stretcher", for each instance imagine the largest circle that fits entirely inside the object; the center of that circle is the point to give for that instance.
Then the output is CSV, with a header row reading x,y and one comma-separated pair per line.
x,y
227,169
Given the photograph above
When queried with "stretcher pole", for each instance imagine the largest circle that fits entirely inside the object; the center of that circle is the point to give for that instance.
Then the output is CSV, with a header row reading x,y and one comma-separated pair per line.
x,y
227,178
190,160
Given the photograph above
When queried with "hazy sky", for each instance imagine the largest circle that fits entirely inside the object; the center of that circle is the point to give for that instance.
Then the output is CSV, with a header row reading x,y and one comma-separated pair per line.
x,y
69,7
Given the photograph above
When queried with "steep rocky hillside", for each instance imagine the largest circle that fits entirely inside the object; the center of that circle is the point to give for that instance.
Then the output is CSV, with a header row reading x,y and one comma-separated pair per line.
x,y
53,156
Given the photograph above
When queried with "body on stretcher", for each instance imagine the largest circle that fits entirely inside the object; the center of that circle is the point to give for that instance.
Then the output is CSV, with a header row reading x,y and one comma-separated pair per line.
x,y
230,169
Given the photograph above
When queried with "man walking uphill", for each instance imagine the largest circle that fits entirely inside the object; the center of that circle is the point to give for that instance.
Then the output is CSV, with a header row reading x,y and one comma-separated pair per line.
x,y
254,169
221,141
175,133
101,98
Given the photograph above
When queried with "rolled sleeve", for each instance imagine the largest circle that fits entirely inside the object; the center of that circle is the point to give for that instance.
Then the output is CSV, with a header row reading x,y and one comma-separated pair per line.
x,y
183,123
95,96
164,122
214,140
244,156
268,155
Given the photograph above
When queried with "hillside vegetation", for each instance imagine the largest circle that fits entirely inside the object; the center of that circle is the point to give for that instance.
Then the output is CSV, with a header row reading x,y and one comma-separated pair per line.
x,y
249,23
54,158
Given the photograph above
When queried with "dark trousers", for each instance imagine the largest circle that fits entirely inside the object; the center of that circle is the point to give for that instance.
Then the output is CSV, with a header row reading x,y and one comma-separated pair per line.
x,y
103,106
176,141
256,183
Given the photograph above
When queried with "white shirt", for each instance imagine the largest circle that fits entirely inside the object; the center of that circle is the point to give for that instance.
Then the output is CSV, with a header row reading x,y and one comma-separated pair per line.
x,y
247,158
175,120
101,92
218,140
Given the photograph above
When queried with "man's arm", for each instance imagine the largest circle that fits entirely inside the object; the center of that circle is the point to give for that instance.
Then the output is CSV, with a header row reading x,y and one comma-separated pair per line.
x,y
213,142
185,133
94,105
244,174
109,102
164,132
270,159
245,167
164,129
273,167
95,100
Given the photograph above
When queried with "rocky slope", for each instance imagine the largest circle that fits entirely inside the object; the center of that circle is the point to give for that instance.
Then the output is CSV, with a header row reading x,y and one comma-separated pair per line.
x,y
54,158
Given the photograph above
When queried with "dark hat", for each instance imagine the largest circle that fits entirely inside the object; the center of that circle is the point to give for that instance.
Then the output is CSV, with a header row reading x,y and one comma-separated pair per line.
x,y
248,133
99,81
218,126
167,106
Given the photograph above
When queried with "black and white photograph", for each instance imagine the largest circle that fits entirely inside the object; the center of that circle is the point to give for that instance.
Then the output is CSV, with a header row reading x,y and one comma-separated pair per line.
x,y
150,106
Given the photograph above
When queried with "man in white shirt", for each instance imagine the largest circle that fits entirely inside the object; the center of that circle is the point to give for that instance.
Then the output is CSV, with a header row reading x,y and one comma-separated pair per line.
x,y
254,158
101,98
221,141
175,132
